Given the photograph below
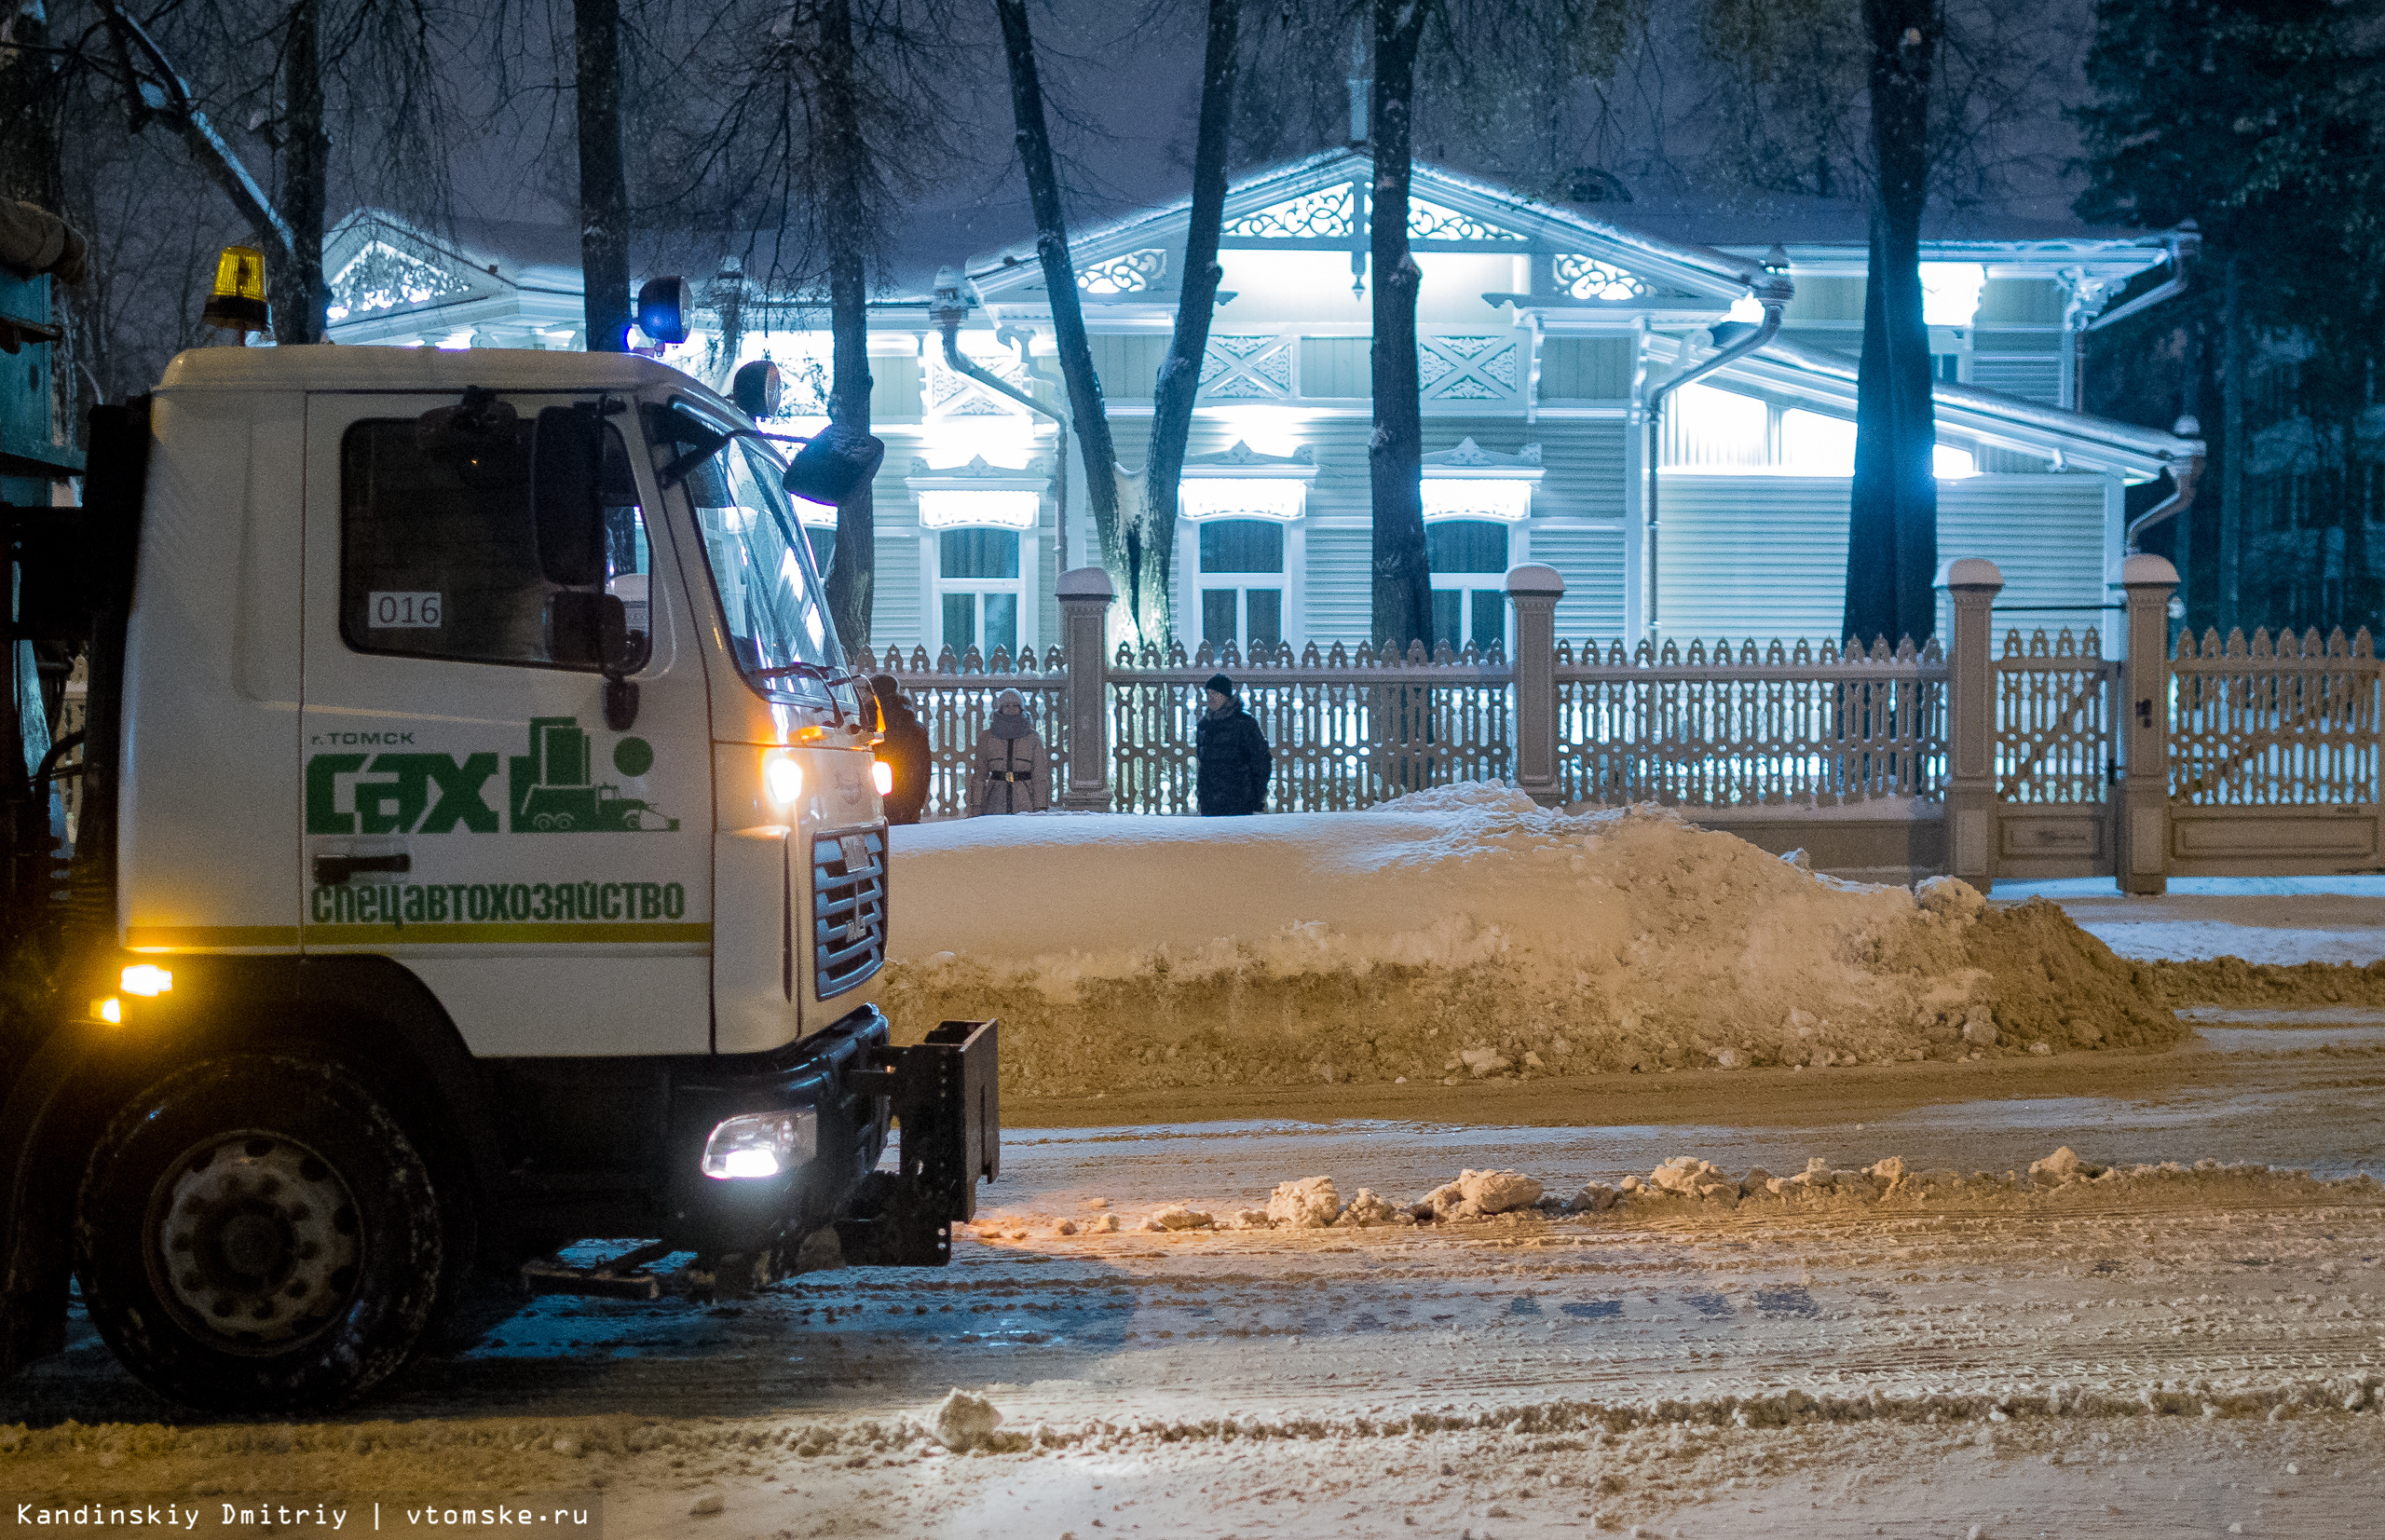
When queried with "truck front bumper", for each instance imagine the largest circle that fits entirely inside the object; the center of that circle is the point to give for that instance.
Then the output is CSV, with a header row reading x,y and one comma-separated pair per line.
x,y
850,1088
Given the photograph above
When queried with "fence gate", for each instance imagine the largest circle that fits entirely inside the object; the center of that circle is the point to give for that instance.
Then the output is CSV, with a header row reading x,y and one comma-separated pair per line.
x,y
2273,754
2054,755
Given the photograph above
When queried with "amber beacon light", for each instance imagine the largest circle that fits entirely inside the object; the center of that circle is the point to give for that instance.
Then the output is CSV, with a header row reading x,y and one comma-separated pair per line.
x,y
237,303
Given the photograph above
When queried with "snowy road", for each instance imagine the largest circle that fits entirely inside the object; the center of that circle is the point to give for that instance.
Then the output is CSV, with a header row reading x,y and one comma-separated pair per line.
x,y
1967,1360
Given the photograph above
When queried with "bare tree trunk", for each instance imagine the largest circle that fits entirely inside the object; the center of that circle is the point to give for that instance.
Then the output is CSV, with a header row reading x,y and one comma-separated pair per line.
x,y
299,297
32,97
604,183
2231,442
1403,582
853,572
1180,374
1892,516
1122,549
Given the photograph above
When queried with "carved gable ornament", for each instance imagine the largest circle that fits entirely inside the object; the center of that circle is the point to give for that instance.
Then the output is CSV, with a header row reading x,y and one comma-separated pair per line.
x,y
381,276
1337,217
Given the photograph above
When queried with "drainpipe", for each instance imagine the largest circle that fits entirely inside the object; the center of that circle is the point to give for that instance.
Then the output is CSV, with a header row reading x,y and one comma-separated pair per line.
x,y
948,310
2182,480
1775,292
2185,242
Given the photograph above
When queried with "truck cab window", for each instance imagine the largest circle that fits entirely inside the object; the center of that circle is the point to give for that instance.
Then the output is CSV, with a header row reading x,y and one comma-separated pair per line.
x,y
439,557
762,570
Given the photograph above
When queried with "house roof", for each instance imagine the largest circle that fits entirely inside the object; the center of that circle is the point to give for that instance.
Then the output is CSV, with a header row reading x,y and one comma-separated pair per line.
x,y
1489,217
1792,373
389,277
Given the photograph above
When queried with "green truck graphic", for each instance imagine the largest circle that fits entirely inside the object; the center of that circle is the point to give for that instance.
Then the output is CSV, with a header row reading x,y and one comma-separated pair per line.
x,y
553,789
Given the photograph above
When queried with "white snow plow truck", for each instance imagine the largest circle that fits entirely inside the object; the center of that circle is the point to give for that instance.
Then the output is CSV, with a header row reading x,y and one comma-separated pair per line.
x,y
477,849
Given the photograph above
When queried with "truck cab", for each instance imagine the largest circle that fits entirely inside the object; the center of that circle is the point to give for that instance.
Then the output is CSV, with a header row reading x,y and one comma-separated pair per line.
x,y
490,856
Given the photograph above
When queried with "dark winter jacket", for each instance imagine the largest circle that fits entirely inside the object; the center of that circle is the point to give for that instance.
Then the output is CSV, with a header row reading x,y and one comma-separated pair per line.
x,y
1235,763
907,752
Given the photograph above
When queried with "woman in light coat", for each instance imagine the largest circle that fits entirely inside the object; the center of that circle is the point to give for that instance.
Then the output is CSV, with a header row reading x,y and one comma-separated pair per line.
x,y
1012,768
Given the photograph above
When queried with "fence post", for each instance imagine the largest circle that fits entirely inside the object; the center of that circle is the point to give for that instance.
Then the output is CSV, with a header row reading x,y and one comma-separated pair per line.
x,y
2144,822
1534,589
1972,582
1085,596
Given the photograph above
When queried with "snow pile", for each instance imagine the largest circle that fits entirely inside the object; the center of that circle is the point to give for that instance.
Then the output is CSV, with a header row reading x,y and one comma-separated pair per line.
x,y
1464,934
2233,981
964,1422
1309,1203
1478,1194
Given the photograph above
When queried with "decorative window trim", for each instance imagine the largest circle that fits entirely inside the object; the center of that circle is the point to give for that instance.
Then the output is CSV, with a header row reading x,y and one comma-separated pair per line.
x,y
1242,483
1135,273
978,495
1470,481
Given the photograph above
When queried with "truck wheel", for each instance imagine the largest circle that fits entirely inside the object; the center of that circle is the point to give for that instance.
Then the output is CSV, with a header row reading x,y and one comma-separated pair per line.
x,y
257,1233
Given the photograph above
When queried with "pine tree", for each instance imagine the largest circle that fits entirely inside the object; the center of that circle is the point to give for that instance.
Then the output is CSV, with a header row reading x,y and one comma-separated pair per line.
x,y
2261,121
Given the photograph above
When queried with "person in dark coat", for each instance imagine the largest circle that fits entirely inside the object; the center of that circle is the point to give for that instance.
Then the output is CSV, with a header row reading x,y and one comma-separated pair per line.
x,y
906,751
1233,759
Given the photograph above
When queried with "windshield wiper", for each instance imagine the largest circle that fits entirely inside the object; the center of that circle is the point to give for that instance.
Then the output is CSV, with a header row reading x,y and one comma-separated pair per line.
x,y
813,671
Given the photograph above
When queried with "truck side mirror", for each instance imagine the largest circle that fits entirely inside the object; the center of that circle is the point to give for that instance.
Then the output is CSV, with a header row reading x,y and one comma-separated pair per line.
x,y
592,630
835,465
567,494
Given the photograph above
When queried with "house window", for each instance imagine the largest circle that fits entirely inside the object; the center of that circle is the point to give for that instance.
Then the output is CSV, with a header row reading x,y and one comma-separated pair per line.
x,y
1234,607
979,589
1462,553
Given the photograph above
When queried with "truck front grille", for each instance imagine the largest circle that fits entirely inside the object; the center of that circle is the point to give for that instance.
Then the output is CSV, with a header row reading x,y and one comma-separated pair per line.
x,y
847,907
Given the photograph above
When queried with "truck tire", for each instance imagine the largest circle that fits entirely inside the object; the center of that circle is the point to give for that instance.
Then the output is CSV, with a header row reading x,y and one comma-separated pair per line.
x,y
257,1233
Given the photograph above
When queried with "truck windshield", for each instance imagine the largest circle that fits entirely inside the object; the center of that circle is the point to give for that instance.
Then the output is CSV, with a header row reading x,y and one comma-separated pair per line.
x,y
761,567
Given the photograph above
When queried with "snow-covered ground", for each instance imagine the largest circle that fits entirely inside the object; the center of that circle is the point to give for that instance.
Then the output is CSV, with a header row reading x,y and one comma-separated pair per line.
x,y
2277,920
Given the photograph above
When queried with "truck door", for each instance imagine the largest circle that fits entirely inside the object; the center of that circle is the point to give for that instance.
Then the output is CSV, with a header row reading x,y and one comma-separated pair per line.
x,y
468,810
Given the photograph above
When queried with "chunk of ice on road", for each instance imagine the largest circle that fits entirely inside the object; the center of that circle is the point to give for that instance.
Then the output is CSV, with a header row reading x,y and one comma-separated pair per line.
x,y
963,1422
1483,1061
1308,1203
1950,896
1367,1209
2063,1166
1476,1193
1177,1216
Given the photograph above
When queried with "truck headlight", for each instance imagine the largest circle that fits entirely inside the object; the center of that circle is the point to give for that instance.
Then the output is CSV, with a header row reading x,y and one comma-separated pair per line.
x,y
761,1144
145,979
782,779
882,775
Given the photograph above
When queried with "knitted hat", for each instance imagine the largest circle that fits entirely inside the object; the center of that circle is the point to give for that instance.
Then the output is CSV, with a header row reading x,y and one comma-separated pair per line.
x,y
1010,699
1220,683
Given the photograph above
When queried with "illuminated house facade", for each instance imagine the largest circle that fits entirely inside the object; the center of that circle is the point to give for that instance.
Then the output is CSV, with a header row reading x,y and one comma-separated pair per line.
x,y
1541,328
